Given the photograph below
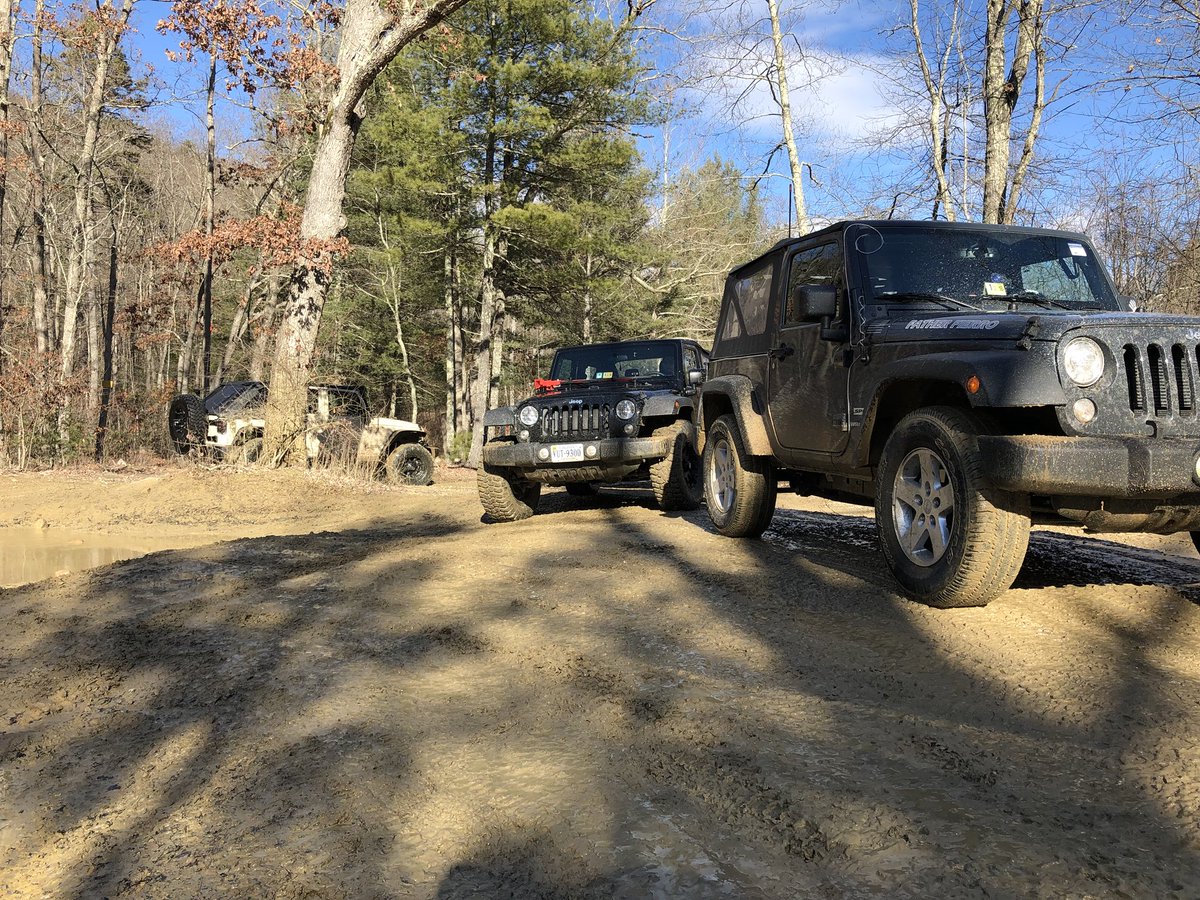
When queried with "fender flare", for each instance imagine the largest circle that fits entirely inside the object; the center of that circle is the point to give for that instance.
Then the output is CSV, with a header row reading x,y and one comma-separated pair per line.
x,y
748,409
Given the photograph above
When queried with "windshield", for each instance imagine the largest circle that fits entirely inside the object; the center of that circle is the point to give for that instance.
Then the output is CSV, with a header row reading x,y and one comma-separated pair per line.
x,y
235,396
634,359
953,268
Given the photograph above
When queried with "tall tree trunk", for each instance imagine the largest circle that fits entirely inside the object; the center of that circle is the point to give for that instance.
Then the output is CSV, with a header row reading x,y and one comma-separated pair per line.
x,y
183,367
8,17
939,117
587,298
240,323
91,315
110,312
80,243
264,326
1000,94
785,111
408,375
453,353
41,293
491,305
370,37
210,210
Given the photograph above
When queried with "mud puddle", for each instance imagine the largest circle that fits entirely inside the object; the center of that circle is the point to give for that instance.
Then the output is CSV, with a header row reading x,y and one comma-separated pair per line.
x,y
34,554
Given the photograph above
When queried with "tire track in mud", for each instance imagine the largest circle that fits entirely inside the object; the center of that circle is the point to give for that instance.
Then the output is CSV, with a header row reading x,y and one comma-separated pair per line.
x,y
849,543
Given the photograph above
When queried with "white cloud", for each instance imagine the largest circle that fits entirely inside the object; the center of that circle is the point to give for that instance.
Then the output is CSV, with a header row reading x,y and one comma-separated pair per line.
x,y
836,101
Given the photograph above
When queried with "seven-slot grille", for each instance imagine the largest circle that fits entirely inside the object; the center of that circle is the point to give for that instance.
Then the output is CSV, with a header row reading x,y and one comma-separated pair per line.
x,y
1162,378
581,421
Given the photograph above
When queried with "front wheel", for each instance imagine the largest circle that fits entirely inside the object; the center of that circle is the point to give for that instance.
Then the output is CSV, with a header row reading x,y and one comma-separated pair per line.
x,y
505,499
409,464
739,490
677,479
948,536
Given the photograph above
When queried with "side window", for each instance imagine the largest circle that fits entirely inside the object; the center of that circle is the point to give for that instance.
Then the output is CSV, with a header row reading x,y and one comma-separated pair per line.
x,y
820,265
747,313
345,403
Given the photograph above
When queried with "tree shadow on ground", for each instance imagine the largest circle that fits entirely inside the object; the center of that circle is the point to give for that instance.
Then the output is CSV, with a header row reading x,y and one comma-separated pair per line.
x,y
628,706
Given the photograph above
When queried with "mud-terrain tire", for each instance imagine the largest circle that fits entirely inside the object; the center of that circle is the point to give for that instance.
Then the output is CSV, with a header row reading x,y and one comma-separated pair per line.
x,y
677,478
409,464
739,489
247,453
187,422
506,500
582,488
949,537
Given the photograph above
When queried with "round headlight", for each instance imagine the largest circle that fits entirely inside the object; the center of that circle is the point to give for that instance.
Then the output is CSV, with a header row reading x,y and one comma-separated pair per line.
x,y
626,409
528,416
1083,361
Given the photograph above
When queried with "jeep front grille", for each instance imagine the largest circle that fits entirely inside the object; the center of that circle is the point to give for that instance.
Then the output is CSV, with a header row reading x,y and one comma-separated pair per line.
x,y
577,421
1162,378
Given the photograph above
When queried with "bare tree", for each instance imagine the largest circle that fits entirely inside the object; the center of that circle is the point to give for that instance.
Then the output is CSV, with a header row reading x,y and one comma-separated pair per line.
x,y
8,19
1003,81
101,35
370,36
783,96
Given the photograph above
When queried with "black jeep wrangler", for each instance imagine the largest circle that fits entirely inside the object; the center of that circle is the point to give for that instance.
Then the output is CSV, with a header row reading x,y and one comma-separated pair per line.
x,y
607,412
966,379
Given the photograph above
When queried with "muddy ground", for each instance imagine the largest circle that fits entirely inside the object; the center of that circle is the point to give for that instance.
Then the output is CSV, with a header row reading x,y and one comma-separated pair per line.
x,y
601,701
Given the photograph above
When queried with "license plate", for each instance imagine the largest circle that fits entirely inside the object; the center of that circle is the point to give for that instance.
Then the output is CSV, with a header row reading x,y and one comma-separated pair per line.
x,y
566,453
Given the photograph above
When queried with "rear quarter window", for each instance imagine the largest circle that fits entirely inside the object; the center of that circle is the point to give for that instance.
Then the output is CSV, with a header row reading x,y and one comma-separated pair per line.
x,y
745,310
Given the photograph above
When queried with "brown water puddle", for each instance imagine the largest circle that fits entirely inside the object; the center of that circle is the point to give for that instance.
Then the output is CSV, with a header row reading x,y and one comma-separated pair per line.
x,y
32,554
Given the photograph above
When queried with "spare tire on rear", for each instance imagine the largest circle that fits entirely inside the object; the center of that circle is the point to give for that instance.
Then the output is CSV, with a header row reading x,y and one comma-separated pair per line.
x,y
187,422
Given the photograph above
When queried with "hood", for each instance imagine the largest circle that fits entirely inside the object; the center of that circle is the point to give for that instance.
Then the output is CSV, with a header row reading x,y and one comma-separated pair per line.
x,y
1044,325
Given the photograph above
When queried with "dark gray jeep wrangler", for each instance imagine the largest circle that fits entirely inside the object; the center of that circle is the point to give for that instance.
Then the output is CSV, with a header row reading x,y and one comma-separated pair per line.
x,y
608,412
966,379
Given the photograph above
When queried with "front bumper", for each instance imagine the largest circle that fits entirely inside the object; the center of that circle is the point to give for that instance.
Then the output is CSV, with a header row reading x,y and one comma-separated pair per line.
x,y
610,457
1128,468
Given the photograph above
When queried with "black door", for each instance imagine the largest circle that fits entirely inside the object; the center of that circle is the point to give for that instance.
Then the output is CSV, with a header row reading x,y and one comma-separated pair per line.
x,y
807,402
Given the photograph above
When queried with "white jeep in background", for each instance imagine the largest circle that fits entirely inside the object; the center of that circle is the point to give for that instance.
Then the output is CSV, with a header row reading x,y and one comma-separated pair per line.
x,y
228,424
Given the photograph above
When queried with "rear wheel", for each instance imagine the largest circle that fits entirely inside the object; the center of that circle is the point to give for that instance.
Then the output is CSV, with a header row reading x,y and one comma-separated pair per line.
x,y
949,537
739,489
409,464
677,478
505,498
187,422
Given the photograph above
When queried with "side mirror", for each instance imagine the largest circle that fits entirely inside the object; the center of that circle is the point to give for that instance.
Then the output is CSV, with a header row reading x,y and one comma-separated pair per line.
x,y
1130,303
695,377
817,301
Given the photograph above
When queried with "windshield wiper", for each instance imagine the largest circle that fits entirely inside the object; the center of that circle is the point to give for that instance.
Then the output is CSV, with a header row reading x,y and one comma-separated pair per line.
x,y
1039,298
922,297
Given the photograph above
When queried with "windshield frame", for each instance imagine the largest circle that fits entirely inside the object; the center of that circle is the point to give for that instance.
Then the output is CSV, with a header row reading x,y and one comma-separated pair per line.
x,y
234,396
999,254
584,358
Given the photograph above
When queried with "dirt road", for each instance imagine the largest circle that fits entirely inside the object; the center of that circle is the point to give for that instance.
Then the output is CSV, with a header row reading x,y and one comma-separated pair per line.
x,y
601,701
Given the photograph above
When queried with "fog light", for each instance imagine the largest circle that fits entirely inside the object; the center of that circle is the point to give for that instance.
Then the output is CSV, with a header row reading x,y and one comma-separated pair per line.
x,y
630,428
544,453
590,451
524,435
1085,410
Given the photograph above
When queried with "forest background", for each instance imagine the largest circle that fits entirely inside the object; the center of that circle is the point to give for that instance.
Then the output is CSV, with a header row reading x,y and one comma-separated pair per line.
x,y
523,174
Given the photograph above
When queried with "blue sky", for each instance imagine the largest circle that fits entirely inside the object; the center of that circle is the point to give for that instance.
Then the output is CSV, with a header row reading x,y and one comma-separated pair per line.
x,y
839,93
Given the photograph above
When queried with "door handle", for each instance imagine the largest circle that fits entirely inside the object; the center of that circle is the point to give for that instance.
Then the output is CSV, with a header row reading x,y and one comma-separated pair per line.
x,y
783,351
